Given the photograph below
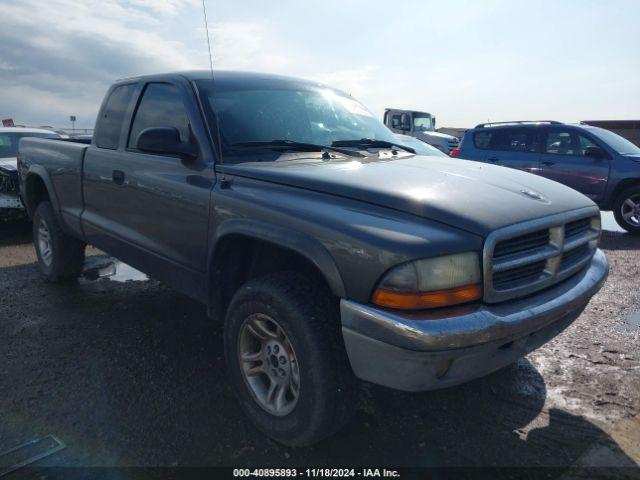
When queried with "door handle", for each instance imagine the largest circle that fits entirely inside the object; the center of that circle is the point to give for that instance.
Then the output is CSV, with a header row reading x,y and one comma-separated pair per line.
x,y
118,177
548,163
493,159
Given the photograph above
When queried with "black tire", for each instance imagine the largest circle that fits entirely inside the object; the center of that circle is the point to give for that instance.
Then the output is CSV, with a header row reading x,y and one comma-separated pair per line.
x,y
65,256
308,316
632,193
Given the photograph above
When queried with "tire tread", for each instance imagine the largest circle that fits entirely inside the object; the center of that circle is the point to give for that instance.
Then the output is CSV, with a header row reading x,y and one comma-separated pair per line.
x,y
68,252
320,311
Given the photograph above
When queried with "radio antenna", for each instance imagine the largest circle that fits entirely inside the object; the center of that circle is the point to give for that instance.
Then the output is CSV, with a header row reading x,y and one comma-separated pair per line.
x,y
206,29
218,151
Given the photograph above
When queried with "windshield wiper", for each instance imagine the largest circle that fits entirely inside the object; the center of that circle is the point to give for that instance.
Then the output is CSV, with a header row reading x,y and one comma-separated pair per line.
x,y
371,143
299,146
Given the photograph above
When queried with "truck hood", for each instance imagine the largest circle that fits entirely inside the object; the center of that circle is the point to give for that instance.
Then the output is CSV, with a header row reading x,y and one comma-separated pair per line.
x,y
471,196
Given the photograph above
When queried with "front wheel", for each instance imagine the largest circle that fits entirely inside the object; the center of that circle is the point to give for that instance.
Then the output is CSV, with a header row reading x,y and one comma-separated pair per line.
x,y
626,209
60,257
286,359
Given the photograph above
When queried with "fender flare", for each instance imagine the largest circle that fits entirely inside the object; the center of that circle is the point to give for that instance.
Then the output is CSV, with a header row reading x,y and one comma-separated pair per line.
x,y
40,172
302,244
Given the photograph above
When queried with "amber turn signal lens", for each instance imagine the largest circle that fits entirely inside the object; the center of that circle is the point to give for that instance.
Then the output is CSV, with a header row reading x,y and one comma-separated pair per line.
x,y
423,300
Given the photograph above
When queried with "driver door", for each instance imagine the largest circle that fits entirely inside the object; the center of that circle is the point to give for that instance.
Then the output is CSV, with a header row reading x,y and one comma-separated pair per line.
x,y
157,205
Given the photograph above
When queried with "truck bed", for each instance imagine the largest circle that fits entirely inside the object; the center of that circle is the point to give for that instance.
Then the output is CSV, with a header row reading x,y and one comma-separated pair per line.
x,y
63,163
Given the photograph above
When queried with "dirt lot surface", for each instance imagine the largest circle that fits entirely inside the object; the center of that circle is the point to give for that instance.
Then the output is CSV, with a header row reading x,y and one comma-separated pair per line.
x,y
132,373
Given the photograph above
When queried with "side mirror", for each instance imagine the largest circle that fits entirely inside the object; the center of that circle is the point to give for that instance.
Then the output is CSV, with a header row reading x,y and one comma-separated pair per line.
x,y
165,141
594,152
433,122
405,122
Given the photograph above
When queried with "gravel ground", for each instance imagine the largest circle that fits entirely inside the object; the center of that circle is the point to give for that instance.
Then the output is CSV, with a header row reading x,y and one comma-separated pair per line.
x,y
130,373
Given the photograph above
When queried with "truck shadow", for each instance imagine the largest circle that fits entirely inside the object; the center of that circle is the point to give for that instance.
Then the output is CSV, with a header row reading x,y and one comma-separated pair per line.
x,y
497,421
132,373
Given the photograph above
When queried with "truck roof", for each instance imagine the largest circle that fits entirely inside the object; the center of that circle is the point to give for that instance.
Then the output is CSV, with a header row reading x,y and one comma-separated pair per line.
x,y
406,110
229,77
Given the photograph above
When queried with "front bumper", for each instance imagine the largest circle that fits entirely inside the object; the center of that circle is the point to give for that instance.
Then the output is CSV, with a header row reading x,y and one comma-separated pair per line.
x,y
431,350
9,198
10,201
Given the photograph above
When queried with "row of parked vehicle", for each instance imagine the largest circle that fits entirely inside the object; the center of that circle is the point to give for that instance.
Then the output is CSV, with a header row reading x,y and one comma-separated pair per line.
x,y
596,162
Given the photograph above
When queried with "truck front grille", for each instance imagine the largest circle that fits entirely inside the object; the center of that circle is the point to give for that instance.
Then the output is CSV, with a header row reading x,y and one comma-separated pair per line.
x,y
527,257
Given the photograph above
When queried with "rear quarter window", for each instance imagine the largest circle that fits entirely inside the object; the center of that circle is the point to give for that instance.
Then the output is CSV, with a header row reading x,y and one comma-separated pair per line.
x,y
508,140
109,124
482,140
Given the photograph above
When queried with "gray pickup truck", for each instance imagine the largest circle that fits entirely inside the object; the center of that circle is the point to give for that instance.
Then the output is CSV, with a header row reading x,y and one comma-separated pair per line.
x,y
331,251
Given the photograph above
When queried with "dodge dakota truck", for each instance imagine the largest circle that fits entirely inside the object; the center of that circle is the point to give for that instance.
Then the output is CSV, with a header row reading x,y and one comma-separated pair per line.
x,y
330,251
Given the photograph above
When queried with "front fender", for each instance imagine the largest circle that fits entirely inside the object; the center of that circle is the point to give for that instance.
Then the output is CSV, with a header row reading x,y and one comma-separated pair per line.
x,y
300,243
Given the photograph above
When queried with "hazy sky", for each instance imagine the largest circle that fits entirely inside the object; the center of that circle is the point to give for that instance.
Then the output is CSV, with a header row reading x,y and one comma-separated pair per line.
x,y
464,61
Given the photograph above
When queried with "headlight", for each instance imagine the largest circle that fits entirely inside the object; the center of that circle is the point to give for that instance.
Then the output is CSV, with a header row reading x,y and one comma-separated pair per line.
x,y
431,283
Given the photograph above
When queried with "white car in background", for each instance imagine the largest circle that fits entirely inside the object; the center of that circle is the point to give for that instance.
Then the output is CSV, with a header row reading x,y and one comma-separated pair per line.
x,y
10,204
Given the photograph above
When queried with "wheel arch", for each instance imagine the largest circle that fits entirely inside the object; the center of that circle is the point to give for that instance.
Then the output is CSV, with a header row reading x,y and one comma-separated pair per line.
x,y
38,187
619,188
243,248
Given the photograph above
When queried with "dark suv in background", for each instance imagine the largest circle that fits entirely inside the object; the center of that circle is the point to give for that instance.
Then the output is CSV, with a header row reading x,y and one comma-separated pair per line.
x,y
596,162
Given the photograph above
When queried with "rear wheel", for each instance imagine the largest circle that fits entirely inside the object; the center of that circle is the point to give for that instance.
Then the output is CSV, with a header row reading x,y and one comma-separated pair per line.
x,y
286,358
626,209
60,257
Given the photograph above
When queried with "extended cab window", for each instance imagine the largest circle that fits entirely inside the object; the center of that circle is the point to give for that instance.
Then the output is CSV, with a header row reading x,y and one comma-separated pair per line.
x,y
161,106
110,123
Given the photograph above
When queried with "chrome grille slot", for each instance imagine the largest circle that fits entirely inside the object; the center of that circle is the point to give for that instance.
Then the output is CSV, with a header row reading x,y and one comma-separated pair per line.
x,y
577,227
521,244
508,278
573,256
521,259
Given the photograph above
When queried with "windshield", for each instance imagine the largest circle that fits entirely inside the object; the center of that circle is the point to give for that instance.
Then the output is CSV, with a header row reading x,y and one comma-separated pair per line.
x,y
9,141
422,122
615,141
318,116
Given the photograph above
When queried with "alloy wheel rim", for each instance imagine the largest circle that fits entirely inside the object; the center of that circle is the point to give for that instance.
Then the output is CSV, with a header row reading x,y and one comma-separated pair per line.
x,y
269,364
44,242
630,210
